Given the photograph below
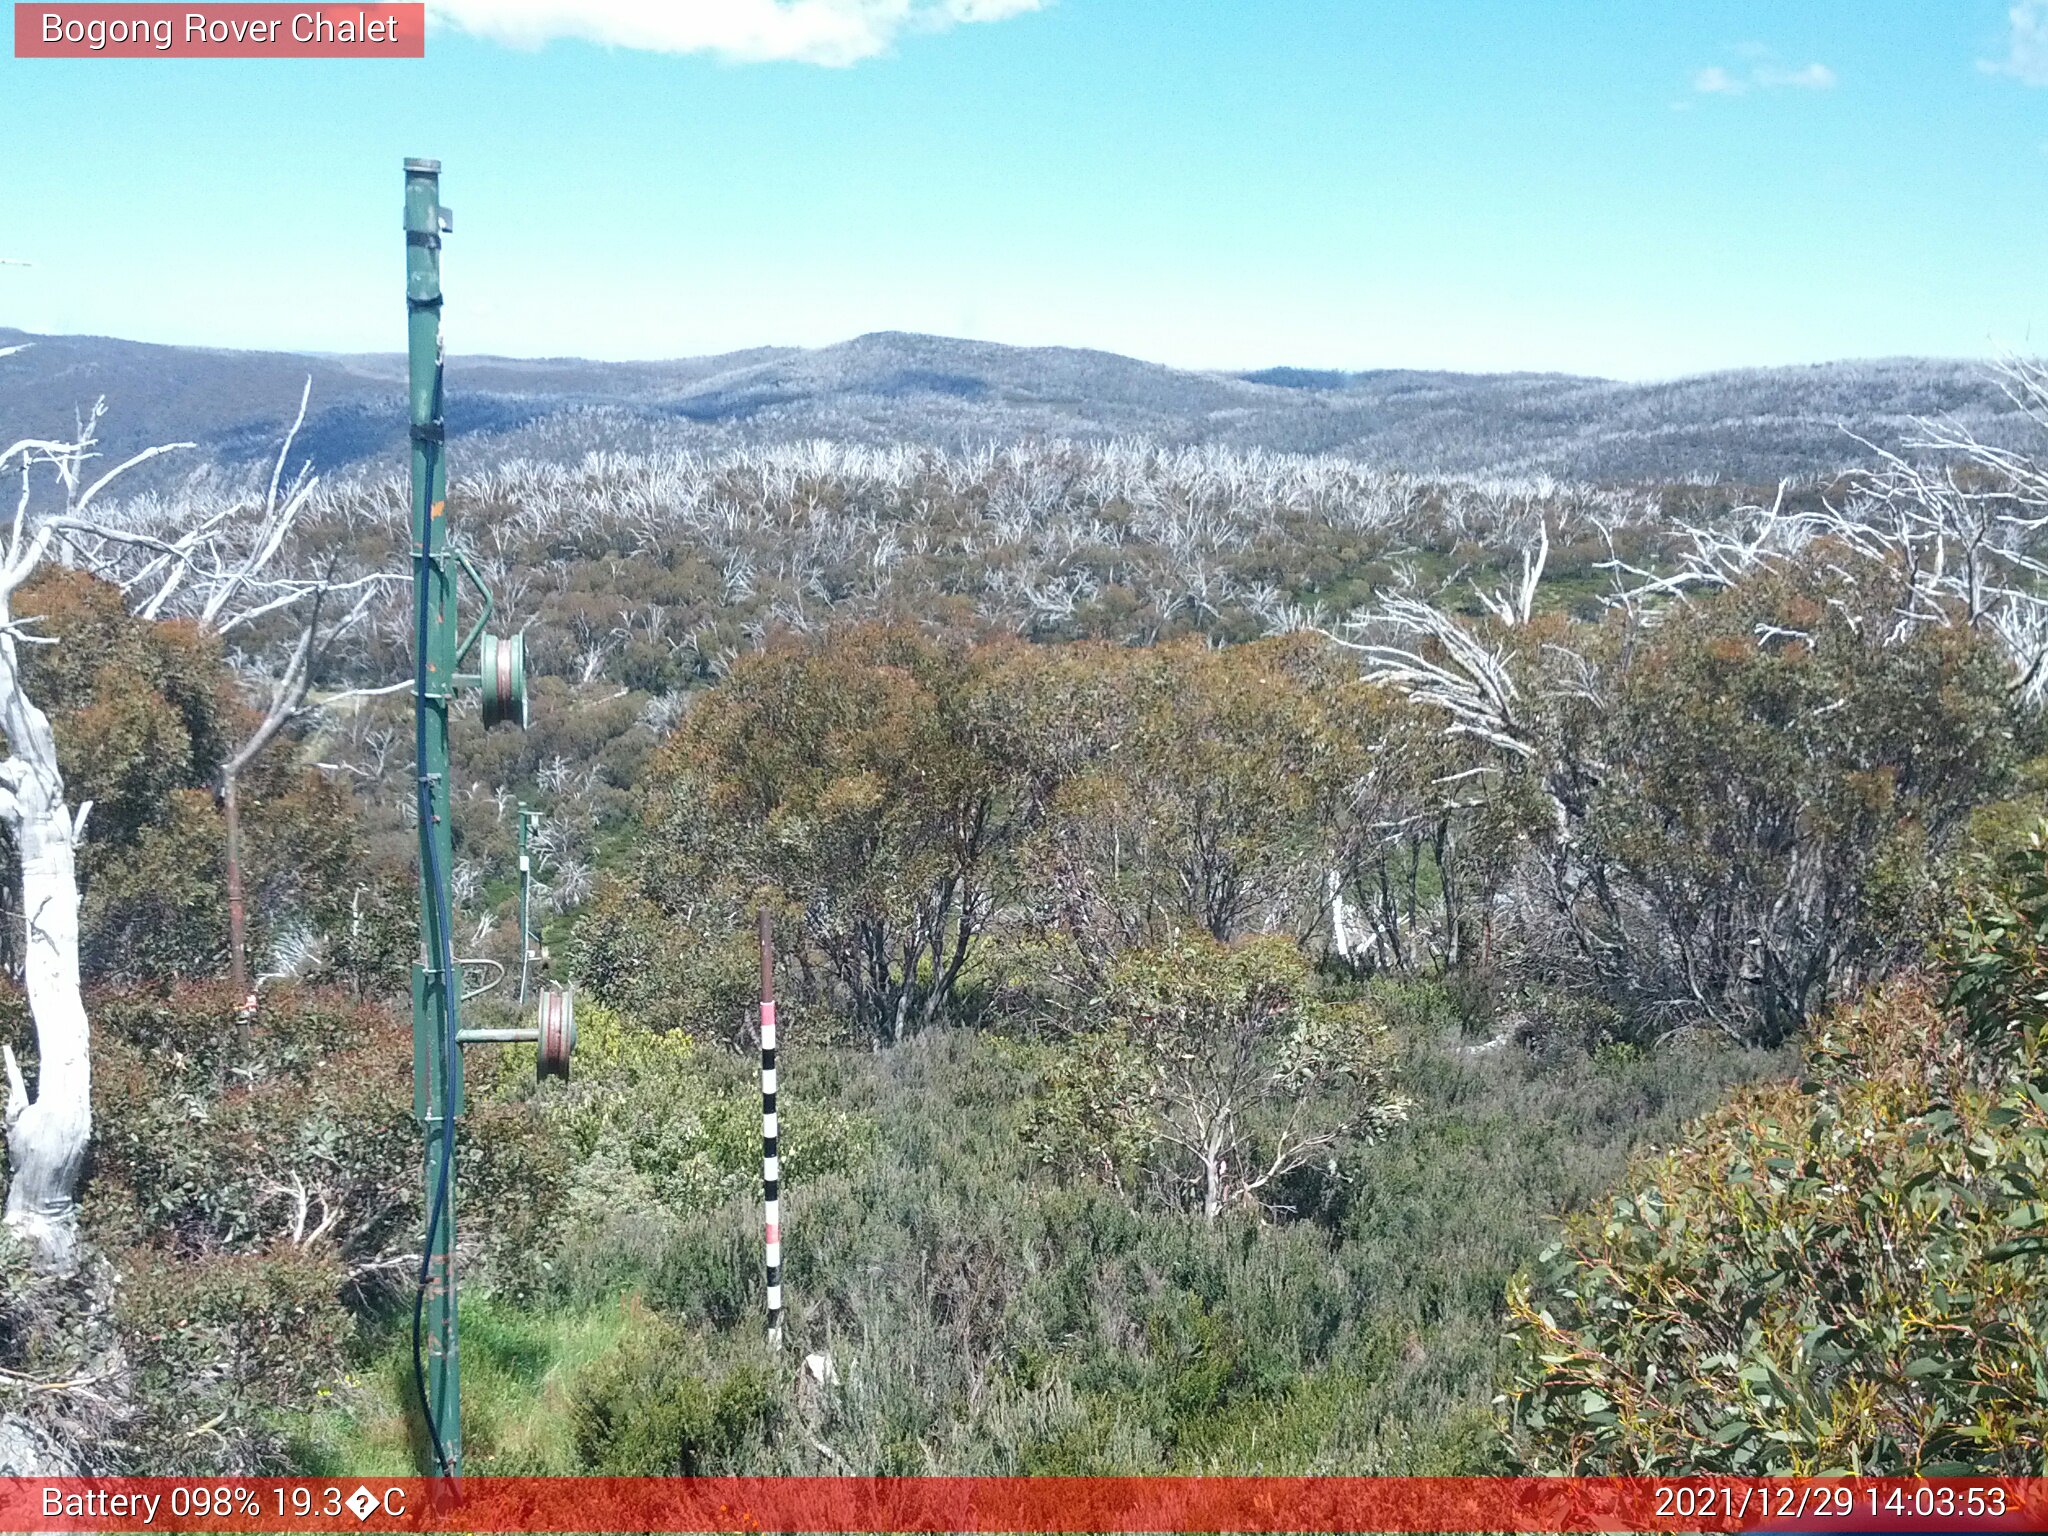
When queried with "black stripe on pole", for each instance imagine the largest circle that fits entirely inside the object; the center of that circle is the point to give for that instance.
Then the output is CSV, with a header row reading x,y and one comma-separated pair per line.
x,y
771,1165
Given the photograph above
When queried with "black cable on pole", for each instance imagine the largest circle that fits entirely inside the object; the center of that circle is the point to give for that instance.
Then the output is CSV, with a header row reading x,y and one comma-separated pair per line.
x,y
438,893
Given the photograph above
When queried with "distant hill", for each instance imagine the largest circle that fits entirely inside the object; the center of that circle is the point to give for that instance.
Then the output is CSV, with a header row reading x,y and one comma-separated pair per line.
x,y
1753,425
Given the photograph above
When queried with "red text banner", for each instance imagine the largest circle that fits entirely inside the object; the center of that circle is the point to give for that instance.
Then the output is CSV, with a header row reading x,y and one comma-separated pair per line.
x,y
1171,1504
115,31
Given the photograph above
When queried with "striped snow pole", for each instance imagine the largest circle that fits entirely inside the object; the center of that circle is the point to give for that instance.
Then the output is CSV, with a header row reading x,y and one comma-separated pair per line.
x,y
771,1161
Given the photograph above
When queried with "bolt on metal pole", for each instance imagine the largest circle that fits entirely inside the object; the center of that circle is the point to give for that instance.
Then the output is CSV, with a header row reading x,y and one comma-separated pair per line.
x,y
437,1062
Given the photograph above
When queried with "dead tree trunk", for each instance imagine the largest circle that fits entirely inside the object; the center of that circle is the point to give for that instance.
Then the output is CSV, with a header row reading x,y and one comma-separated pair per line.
x,y
47,1135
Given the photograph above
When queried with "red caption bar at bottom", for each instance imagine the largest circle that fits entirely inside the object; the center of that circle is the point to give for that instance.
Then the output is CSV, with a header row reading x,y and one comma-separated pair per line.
x,y
750,1504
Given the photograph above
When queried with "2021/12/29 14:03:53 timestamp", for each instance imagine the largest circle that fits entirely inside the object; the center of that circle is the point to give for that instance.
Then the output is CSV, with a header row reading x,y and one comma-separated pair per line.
x,y
1804,1499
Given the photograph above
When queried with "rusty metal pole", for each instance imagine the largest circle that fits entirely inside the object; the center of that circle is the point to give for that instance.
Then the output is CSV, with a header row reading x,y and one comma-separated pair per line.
x,y
771,1160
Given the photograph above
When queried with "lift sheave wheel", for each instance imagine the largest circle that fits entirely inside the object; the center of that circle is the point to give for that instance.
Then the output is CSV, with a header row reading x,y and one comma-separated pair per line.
x,y
502,665
557,1032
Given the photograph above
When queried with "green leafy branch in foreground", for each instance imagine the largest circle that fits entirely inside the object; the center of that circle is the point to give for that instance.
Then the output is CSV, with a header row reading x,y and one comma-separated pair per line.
x,y
1849,1274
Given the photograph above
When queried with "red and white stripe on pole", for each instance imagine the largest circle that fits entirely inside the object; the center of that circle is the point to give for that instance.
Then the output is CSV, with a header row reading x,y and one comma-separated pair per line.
x,y
771,1159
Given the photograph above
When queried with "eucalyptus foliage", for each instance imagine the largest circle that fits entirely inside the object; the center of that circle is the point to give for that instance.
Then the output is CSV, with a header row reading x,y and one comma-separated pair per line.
x,y
1848,1274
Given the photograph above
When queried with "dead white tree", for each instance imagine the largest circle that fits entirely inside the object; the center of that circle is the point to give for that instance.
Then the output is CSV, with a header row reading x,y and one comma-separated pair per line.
x,y
1520,606
1445,664
216,565
1955,528
233,576
252,581
47,1134
1494,691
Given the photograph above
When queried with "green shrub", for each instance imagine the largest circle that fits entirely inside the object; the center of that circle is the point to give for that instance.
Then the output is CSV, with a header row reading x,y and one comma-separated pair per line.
x,y
1995,952
214,1137
651,1123
257,1187
144,713
373,938
1757,804
635,958
651,1409
1846,1275
1222,1072
224,1350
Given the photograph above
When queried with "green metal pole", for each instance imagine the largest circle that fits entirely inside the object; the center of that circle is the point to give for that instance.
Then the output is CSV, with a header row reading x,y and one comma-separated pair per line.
x,y
437,1069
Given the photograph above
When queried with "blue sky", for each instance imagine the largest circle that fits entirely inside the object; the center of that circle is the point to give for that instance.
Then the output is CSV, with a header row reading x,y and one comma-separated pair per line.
x,y
1638,188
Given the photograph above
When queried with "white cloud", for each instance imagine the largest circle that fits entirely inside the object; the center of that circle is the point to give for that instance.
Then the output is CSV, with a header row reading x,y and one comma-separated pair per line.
x,y
751,31
1764,76
1814,77
2027,54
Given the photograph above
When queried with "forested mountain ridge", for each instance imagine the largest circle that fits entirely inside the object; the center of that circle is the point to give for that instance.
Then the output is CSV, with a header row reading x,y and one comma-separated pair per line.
x,y
1751,425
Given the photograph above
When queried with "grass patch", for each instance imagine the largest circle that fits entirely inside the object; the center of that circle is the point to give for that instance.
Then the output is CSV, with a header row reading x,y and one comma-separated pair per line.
x,y
520,1369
